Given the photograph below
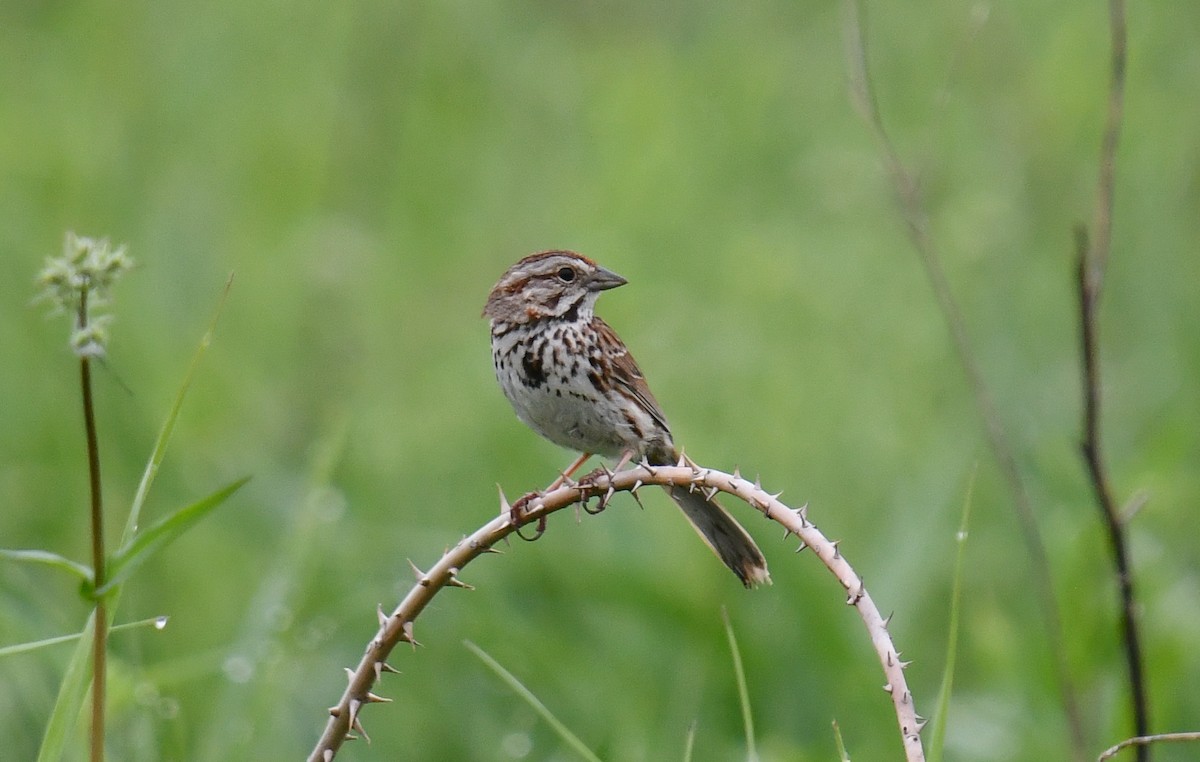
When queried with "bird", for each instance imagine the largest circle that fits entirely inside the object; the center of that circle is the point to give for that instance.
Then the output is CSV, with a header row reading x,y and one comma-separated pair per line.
x,y
571,379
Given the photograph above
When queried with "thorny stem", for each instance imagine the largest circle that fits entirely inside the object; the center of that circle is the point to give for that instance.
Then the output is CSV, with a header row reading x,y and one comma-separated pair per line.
x,y
100,639
397,627
1092,261
908,196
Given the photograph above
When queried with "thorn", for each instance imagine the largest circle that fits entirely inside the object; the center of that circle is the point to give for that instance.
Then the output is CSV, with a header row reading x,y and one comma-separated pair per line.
x,y
637,499
855,594
637,485
422,578
355,705
406,634
758,482
888,619
682,459
710,494
921,722
737,473
776,495
691,487
383,666
836,553
351,737
349,674
888,687
379,613
904,664
608,495
505,506
698,475
373,699
335,711
361,731
454,581
787,533
803,545
491,549
802,512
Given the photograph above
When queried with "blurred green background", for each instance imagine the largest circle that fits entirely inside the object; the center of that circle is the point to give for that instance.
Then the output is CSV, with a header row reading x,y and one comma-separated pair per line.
x,y
368,169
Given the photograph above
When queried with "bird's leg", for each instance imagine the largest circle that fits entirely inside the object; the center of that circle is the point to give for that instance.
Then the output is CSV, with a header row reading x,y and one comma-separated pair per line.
x,y
518,508
562,478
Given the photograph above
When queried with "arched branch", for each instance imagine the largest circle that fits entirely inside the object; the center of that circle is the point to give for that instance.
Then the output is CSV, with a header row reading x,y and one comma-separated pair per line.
x,y
397,627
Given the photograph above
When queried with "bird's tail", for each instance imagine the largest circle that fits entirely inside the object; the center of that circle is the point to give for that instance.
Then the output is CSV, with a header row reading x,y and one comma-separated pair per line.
x,y
732,544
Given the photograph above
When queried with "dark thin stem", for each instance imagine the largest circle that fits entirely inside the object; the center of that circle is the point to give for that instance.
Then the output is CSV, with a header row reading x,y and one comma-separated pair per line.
x,y
1092,264
1109,510
908,197
100,641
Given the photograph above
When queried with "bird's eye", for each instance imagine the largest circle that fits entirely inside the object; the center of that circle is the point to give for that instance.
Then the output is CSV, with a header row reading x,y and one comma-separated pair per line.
x,y
566,274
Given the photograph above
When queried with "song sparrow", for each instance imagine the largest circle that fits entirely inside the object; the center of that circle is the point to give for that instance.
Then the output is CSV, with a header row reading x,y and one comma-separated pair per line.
x,y
571,379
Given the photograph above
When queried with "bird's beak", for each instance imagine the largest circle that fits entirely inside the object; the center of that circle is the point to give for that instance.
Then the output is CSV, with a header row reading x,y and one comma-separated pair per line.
x,y
603,279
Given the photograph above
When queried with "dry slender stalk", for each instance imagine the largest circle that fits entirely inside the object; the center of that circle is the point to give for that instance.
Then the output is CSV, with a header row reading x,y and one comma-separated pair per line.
x,y
908,197
1142,742
100,639
397,627
1092,253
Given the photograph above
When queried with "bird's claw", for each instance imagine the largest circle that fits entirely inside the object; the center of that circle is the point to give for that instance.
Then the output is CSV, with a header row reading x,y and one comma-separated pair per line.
x,y
516,516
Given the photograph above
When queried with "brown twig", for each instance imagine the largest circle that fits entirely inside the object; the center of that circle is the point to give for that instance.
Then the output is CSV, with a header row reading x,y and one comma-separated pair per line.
x,y
908,196
1092,255
344,721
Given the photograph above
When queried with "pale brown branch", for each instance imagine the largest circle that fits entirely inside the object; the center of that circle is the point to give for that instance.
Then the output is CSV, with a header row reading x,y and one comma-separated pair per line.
x,y
397,627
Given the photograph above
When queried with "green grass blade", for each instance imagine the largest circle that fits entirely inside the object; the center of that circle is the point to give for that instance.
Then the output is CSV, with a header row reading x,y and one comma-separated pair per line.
x,y
563,732
841,745
49,559
164,435
743,691
158,622
690,743
937,738
145,544
71,692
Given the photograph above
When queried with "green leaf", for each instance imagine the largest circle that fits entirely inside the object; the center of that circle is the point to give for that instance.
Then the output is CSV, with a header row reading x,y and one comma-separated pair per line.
x,y
164,435
743,690
49,559
937,738
158,622
563,731
134,553
71,691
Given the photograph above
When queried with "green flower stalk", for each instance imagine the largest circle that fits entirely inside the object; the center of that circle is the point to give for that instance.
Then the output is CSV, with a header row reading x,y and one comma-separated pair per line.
x,y
79,282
